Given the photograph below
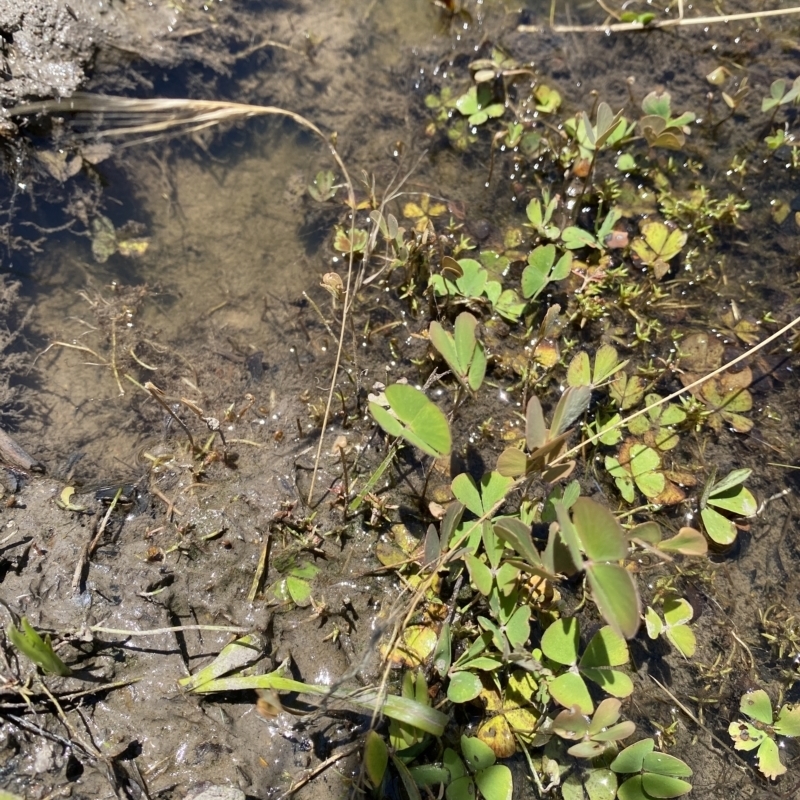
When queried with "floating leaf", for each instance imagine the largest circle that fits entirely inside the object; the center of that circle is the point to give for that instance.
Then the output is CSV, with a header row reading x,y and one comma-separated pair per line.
x,y
542,269
461,789
641,465
512,463
613,589
626,391
517,535
443,654
569,689
480,501
606,650
415,645
606,363
480,574
757,705
495,782
788,721
729,495
423,212
572,404
687,542
376,758
496,733
414,418
727,398
518,628
655,426
601,536
464,355
677,613
344,244
594,784
575,238
477,106
650,785
617,598
769,759
548,100
561,641
579,372
299,590
463,687
745,736
658,103
477,754
719,528
658,245
631,759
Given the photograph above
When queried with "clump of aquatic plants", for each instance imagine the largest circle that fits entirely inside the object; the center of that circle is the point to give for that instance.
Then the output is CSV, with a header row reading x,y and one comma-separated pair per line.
x,y
528,590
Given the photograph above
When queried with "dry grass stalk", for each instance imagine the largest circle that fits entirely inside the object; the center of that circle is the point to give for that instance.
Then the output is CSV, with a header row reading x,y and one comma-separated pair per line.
x,y
681,21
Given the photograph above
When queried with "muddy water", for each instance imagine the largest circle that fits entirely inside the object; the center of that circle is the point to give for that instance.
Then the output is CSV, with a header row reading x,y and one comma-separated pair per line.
x,y
233,242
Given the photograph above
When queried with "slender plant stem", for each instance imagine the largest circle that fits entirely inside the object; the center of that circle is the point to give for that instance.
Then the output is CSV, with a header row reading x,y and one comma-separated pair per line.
x,y
175,629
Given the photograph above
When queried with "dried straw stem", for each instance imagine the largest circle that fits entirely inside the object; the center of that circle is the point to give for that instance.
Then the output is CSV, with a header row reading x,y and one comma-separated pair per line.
x,y
618,27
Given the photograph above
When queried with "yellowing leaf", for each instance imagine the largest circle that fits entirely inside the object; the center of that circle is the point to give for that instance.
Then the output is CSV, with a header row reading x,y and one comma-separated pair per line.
x,y
414,647
497,734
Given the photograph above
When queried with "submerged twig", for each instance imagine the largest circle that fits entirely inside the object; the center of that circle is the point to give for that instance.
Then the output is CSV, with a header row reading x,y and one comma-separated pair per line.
x,y
158,395
319,769
12,453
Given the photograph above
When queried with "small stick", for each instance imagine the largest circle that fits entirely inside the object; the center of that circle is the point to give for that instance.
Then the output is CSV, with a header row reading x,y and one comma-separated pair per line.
x,y
261,569
101,530
346,480
158,395
319,769
175,629
171,510
212,423
33,728
114,369
12,453
667,23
